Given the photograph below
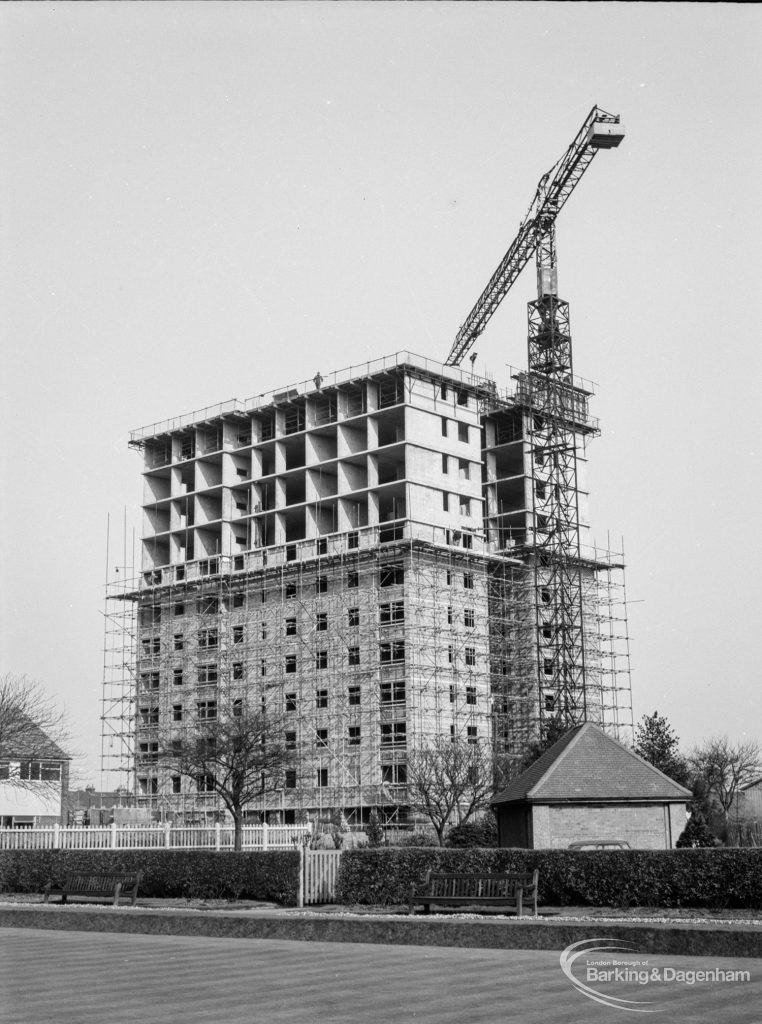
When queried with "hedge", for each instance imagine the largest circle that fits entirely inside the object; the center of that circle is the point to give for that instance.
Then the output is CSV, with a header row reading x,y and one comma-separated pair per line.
x,y
191,874
646,878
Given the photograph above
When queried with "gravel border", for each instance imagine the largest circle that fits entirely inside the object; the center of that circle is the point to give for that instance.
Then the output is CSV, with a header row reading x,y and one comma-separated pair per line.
x,y
547,915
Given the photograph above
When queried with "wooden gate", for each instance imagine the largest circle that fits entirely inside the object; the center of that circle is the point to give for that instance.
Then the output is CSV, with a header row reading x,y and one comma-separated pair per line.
x,y
319,871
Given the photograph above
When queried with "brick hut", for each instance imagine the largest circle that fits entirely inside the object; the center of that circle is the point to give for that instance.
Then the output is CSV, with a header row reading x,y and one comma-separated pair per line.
x,y
590,786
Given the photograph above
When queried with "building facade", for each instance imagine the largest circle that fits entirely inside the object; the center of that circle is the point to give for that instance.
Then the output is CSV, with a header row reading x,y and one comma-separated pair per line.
x,y
34,779
359,554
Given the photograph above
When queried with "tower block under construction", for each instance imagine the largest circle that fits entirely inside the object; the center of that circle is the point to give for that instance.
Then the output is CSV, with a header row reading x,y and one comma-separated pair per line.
x,y
369,555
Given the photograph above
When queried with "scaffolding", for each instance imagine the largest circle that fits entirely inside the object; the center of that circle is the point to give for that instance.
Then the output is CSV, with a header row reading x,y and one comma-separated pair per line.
x,y
375,649
372,643
120,634
608,599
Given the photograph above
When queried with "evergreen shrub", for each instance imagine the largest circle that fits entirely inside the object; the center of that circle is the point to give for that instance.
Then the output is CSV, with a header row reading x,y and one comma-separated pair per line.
x,y
474,833
374,831
696,833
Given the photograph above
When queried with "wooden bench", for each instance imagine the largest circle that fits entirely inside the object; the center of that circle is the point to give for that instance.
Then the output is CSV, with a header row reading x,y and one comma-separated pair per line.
x,y
498,890
97,883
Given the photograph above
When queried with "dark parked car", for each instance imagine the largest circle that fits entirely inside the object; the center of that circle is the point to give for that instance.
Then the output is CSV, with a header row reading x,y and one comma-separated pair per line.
x,y
599,844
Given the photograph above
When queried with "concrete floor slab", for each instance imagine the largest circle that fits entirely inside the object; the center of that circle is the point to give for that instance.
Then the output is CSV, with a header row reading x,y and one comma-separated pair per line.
x,y
91,978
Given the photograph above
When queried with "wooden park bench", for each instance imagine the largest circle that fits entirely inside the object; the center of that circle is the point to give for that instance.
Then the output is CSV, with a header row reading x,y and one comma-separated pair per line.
x,y
498,890
97,883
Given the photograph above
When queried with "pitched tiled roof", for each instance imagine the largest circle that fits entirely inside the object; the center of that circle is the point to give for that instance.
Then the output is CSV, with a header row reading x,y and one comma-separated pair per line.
x,y
587,764
31,742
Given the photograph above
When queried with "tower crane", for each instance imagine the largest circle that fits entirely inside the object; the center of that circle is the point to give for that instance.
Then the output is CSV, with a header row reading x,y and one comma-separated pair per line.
x,y
536,233
552,408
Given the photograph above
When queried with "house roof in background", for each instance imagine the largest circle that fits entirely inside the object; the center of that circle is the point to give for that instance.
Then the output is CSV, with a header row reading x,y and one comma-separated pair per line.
x,y
30,742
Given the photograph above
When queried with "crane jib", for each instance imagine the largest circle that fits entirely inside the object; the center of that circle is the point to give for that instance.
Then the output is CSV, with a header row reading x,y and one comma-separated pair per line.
x,y
599,131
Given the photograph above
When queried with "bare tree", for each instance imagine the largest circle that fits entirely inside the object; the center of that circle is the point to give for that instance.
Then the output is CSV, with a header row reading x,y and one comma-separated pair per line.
x,y
32,730
449,782
723,768
240,755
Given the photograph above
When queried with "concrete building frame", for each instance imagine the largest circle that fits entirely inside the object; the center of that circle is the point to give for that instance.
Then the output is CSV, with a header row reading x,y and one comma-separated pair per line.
x,y
360,553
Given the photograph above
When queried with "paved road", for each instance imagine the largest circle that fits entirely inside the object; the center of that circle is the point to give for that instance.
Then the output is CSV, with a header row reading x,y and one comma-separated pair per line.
x,y
89,978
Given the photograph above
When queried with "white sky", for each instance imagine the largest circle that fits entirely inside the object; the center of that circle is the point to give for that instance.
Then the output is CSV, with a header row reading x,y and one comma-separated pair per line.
x,y
202,201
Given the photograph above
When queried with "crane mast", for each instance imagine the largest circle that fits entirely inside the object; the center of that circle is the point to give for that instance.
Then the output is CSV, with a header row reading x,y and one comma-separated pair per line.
x,y
555,423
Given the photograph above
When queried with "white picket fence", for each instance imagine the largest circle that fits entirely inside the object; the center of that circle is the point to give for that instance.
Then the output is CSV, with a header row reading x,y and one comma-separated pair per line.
x,y
318,869
152,837
318,873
